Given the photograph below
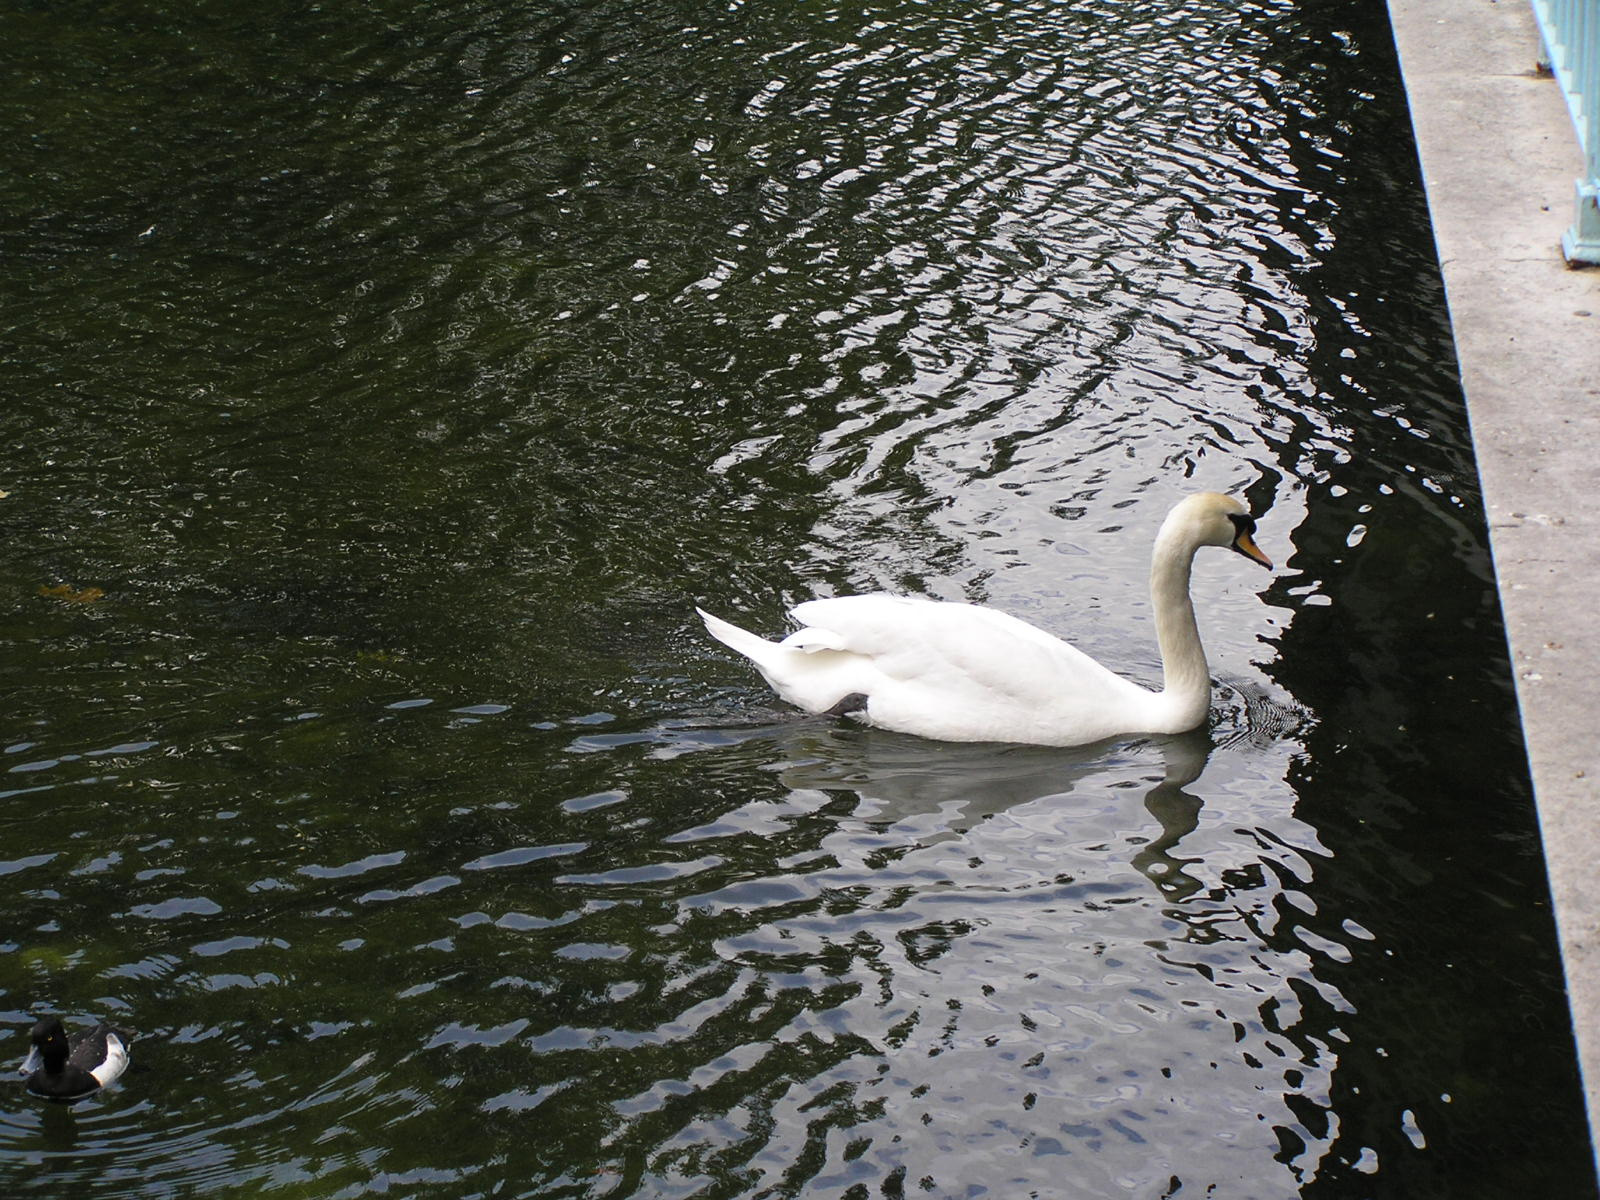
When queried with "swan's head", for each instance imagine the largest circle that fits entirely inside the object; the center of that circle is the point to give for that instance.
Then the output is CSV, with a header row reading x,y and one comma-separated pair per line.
x,y
1212,519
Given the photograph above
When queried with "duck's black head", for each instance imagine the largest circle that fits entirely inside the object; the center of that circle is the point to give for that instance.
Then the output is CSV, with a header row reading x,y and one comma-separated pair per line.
x,y
50,1039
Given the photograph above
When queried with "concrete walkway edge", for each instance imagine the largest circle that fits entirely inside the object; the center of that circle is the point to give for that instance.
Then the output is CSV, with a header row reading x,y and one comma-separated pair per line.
x,y
1499,160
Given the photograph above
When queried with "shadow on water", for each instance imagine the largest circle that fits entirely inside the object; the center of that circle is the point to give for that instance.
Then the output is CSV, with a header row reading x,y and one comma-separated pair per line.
x,y
1417,710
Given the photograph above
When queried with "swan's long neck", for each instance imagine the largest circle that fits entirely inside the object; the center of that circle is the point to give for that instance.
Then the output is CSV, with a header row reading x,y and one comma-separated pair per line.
x,y
1186,682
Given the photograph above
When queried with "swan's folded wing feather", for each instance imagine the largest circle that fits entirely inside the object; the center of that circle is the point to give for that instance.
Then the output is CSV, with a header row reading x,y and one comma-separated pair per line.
x,y
811,640
958,647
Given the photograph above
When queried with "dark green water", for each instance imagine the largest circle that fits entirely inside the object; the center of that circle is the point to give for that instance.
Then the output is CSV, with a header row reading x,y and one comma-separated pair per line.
x,y
383,384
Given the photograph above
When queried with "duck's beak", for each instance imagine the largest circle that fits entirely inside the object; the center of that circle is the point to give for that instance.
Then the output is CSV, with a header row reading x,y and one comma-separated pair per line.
x,y
1246,545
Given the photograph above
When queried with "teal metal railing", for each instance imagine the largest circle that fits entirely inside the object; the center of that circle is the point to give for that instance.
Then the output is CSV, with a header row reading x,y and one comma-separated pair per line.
x,y
1571,33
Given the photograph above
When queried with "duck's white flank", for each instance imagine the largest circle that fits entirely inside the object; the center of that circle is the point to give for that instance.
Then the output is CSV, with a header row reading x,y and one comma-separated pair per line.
x,y
114,1063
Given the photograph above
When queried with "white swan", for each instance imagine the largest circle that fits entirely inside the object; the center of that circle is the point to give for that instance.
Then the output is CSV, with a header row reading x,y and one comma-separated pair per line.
x,y
961,673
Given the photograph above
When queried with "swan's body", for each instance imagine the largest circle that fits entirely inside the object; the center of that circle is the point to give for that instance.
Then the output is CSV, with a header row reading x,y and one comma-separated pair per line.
x,y
962,673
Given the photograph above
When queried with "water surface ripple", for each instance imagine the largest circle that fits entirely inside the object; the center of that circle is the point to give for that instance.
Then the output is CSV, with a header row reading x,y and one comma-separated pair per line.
x,y
384,385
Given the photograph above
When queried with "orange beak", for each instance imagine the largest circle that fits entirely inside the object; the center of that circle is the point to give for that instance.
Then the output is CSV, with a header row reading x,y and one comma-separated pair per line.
x,y
1246,546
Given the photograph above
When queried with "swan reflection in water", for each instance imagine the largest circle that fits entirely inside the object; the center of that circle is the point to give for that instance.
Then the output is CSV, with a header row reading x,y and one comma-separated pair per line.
x,y
932,792
900,780
1006,980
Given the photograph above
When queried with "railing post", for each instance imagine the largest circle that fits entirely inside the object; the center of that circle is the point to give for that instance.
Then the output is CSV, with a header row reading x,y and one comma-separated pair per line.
x,y
1570,30
1581,243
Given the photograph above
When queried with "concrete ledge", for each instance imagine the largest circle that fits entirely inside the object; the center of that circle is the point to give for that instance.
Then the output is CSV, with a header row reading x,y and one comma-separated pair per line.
x,y
1499,160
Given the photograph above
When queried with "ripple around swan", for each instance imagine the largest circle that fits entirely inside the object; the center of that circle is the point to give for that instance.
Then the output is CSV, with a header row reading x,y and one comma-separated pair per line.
x,y
391,382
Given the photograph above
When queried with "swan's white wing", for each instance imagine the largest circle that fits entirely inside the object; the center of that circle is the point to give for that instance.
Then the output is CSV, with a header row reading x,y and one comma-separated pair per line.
x,y
811,640
964,673
955,645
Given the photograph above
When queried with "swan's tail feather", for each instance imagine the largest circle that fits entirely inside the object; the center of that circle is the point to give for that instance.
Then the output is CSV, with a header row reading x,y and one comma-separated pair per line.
x,y
742,640
808,668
